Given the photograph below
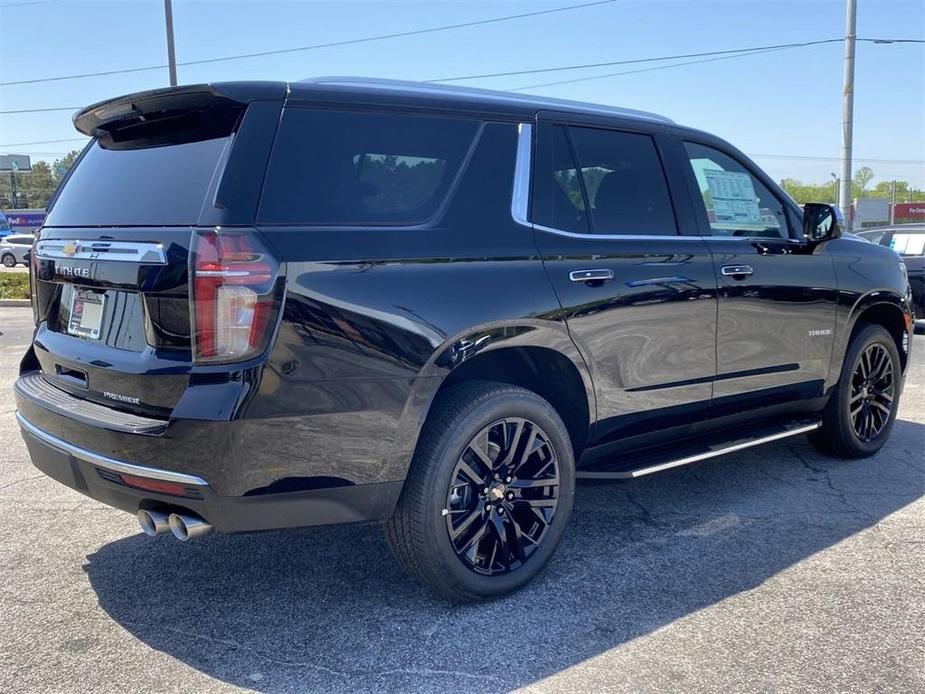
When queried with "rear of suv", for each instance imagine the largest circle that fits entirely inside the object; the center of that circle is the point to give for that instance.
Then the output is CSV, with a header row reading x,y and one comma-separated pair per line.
x,y
269,305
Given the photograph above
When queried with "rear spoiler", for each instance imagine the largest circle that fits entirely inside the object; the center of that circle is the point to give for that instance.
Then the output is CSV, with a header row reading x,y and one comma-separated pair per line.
x,y
105,116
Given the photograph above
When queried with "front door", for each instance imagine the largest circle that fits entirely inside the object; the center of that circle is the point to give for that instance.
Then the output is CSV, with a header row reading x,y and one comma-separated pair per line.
x,y
639,297
777,294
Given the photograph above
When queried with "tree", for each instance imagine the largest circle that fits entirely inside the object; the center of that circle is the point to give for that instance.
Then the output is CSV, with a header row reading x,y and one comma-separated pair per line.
x,y
34,188
862,177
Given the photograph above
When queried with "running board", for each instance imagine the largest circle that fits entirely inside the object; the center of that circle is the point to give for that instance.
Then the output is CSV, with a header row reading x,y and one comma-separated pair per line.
x,y
703,448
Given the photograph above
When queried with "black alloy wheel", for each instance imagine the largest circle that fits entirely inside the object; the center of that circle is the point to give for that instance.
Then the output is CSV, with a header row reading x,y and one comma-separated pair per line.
x,y
503,496
872,392
488,492
861,409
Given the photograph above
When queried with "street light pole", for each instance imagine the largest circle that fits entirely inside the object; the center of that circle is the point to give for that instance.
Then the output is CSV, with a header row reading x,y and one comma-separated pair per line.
x,y
848,109
171,55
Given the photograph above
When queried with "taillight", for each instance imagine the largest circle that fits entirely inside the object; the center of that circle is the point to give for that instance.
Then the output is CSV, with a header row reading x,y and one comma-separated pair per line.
x,y
34,277
233,279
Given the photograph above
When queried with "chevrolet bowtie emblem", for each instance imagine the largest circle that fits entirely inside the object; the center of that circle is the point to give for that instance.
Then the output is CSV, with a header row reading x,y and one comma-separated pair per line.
x,y
70,249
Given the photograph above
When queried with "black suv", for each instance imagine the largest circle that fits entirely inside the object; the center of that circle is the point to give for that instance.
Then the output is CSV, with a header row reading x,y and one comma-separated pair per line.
x,y
268,305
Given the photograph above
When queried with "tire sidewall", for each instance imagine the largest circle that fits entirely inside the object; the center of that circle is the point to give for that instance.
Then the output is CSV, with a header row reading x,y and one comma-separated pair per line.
x,y
482,413
5,260
870,335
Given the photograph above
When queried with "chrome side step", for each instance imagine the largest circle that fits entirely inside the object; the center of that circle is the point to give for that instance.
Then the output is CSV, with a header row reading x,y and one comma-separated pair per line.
x,y
651,466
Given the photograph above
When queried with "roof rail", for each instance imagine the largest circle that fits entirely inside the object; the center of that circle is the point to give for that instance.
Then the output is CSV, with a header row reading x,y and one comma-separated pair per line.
x,y
454,90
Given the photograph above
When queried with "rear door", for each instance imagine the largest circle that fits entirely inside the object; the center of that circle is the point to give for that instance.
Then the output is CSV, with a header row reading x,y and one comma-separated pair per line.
x,y
111,268
777,294
634,279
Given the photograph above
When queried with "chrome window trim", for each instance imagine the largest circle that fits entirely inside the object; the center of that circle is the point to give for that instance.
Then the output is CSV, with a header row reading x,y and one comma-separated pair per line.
x,y
520,198
520,203
106,462
122,251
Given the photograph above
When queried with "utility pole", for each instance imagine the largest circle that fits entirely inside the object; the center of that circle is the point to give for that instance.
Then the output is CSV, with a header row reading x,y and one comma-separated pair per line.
x,y
171,55
848,110
893,202
13,189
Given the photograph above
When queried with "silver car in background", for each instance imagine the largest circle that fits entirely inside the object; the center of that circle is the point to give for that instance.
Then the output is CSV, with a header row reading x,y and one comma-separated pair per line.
x,y
13,249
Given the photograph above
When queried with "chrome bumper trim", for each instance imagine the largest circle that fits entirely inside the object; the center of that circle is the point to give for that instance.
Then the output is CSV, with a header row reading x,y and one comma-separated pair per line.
x,y
105,461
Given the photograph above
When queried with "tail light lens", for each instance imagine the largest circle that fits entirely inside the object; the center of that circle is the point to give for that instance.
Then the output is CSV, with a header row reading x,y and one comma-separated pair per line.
x,y
233,278
34,277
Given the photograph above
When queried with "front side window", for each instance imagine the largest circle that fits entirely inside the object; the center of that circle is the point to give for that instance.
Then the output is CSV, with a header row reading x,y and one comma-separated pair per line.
x,y
734,201
343,168
602,181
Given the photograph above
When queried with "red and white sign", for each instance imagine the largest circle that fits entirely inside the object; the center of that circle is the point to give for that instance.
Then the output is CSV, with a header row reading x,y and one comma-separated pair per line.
x,y
909,212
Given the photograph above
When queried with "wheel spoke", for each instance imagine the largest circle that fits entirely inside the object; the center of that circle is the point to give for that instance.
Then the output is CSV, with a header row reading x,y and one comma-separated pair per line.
x,y
511,441
468,471
503,543
474,515
534,484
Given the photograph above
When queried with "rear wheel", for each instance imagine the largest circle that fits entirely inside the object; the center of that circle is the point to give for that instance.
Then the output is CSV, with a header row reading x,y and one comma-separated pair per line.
x,y
860,413
8,260
488,494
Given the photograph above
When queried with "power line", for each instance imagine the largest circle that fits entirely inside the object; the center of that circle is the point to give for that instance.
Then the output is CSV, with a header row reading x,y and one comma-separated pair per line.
x,y
41,110
808,157
28,2
723,55
44,142
612,63
645,69
332,44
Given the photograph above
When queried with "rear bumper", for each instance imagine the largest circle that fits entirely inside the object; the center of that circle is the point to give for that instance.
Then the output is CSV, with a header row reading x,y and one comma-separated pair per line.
x,y
98,477
232,473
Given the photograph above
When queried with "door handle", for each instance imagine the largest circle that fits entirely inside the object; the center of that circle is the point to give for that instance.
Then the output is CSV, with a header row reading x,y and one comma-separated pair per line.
x,y
737,270
591,277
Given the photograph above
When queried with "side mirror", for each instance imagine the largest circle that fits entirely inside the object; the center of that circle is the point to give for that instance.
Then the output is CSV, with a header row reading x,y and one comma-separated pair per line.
x,y
27,256
821,222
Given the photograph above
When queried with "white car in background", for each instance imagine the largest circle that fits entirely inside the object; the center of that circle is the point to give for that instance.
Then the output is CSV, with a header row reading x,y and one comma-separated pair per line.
x,y
13,249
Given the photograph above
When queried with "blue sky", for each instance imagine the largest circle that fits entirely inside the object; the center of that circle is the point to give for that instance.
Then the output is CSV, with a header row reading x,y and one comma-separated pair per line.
x,y
786,103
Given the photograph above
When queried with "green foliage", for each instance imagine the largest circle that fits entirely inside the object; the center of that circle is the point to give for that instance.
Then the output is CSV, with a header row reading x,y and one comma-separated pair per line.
x,y
14,285
34,188
825,192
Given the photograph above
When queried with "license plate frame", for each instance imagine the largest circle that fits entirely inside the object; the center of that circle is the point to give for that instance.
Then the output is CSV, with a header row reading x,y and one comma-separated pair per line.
x,y
86,315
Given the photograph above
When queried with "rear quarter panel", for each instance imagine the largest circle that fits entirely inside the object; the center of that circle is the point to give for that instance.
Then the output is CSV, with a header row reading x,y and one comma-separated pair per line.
x,y
370,311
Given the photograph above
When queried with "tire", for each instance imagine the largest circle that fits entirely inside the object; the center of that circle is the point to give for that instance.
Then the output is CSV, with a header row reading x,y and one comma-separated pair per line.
x,y
441,495
854,423
8,260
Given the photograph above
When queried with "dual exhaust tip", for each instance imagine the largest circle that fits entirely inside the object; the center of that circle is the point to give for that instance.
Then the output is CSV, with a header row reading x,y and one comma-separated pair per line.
x,y
183,526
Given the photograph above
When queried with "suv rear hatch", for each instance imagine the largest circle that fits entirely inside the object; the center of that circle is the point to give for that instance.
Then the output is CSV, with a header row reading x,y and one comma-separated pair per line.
x,y
148,265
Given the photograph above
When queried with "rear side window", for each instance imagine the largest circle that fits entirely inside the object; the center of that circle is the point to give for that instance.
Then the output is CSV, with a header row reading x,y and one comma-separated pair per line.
x,y
605,181
144,177
353,168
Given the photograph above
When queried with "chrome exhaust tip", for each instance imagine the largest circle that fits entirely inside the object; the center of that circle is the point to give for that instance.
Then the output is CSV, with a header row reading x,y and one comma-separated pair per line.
x,y
186,527
153,522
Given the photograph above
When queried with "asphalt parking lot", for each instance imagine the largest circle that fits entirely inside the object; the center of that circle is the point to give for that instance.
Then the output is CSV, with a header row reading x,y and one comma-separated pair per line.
x,y
775,569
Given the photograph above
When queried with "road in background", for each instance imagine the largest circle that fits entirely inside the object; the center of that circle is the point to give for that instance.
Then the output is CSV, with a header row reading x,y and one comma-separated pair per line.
x,y
776,568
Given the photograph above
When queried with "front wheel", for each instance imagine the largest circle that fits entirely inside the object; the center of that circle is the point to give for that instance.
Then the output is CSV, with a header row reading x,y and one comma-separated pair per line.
x,y
488,493
8,260
860,413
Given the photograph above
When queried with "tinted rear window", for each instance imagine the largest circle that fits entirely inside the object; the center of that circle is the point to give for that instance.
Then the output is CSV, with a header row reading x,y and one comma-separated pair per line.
x,y
147,185
332,168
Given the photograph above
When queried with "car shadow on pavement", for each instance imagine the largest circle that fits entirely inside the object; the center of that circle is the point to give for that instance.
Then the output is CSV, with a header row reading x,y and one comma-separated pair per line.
x,y
328,608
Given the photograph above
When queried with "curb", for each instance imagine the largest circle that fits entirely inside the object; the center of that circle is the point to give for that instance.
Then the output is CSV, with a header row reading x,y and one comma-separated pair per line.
x,y
14,302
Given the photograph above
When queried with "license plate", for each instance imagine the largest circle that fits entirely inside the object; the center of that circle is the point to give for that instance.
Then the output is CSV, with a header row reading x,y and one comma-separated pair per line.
x,y
86,313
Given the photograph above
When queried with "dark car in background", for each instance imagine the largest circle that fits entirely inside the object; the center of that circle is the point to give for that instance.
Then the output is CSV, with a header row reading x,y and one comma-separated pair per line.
x,y
908,240
271,305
